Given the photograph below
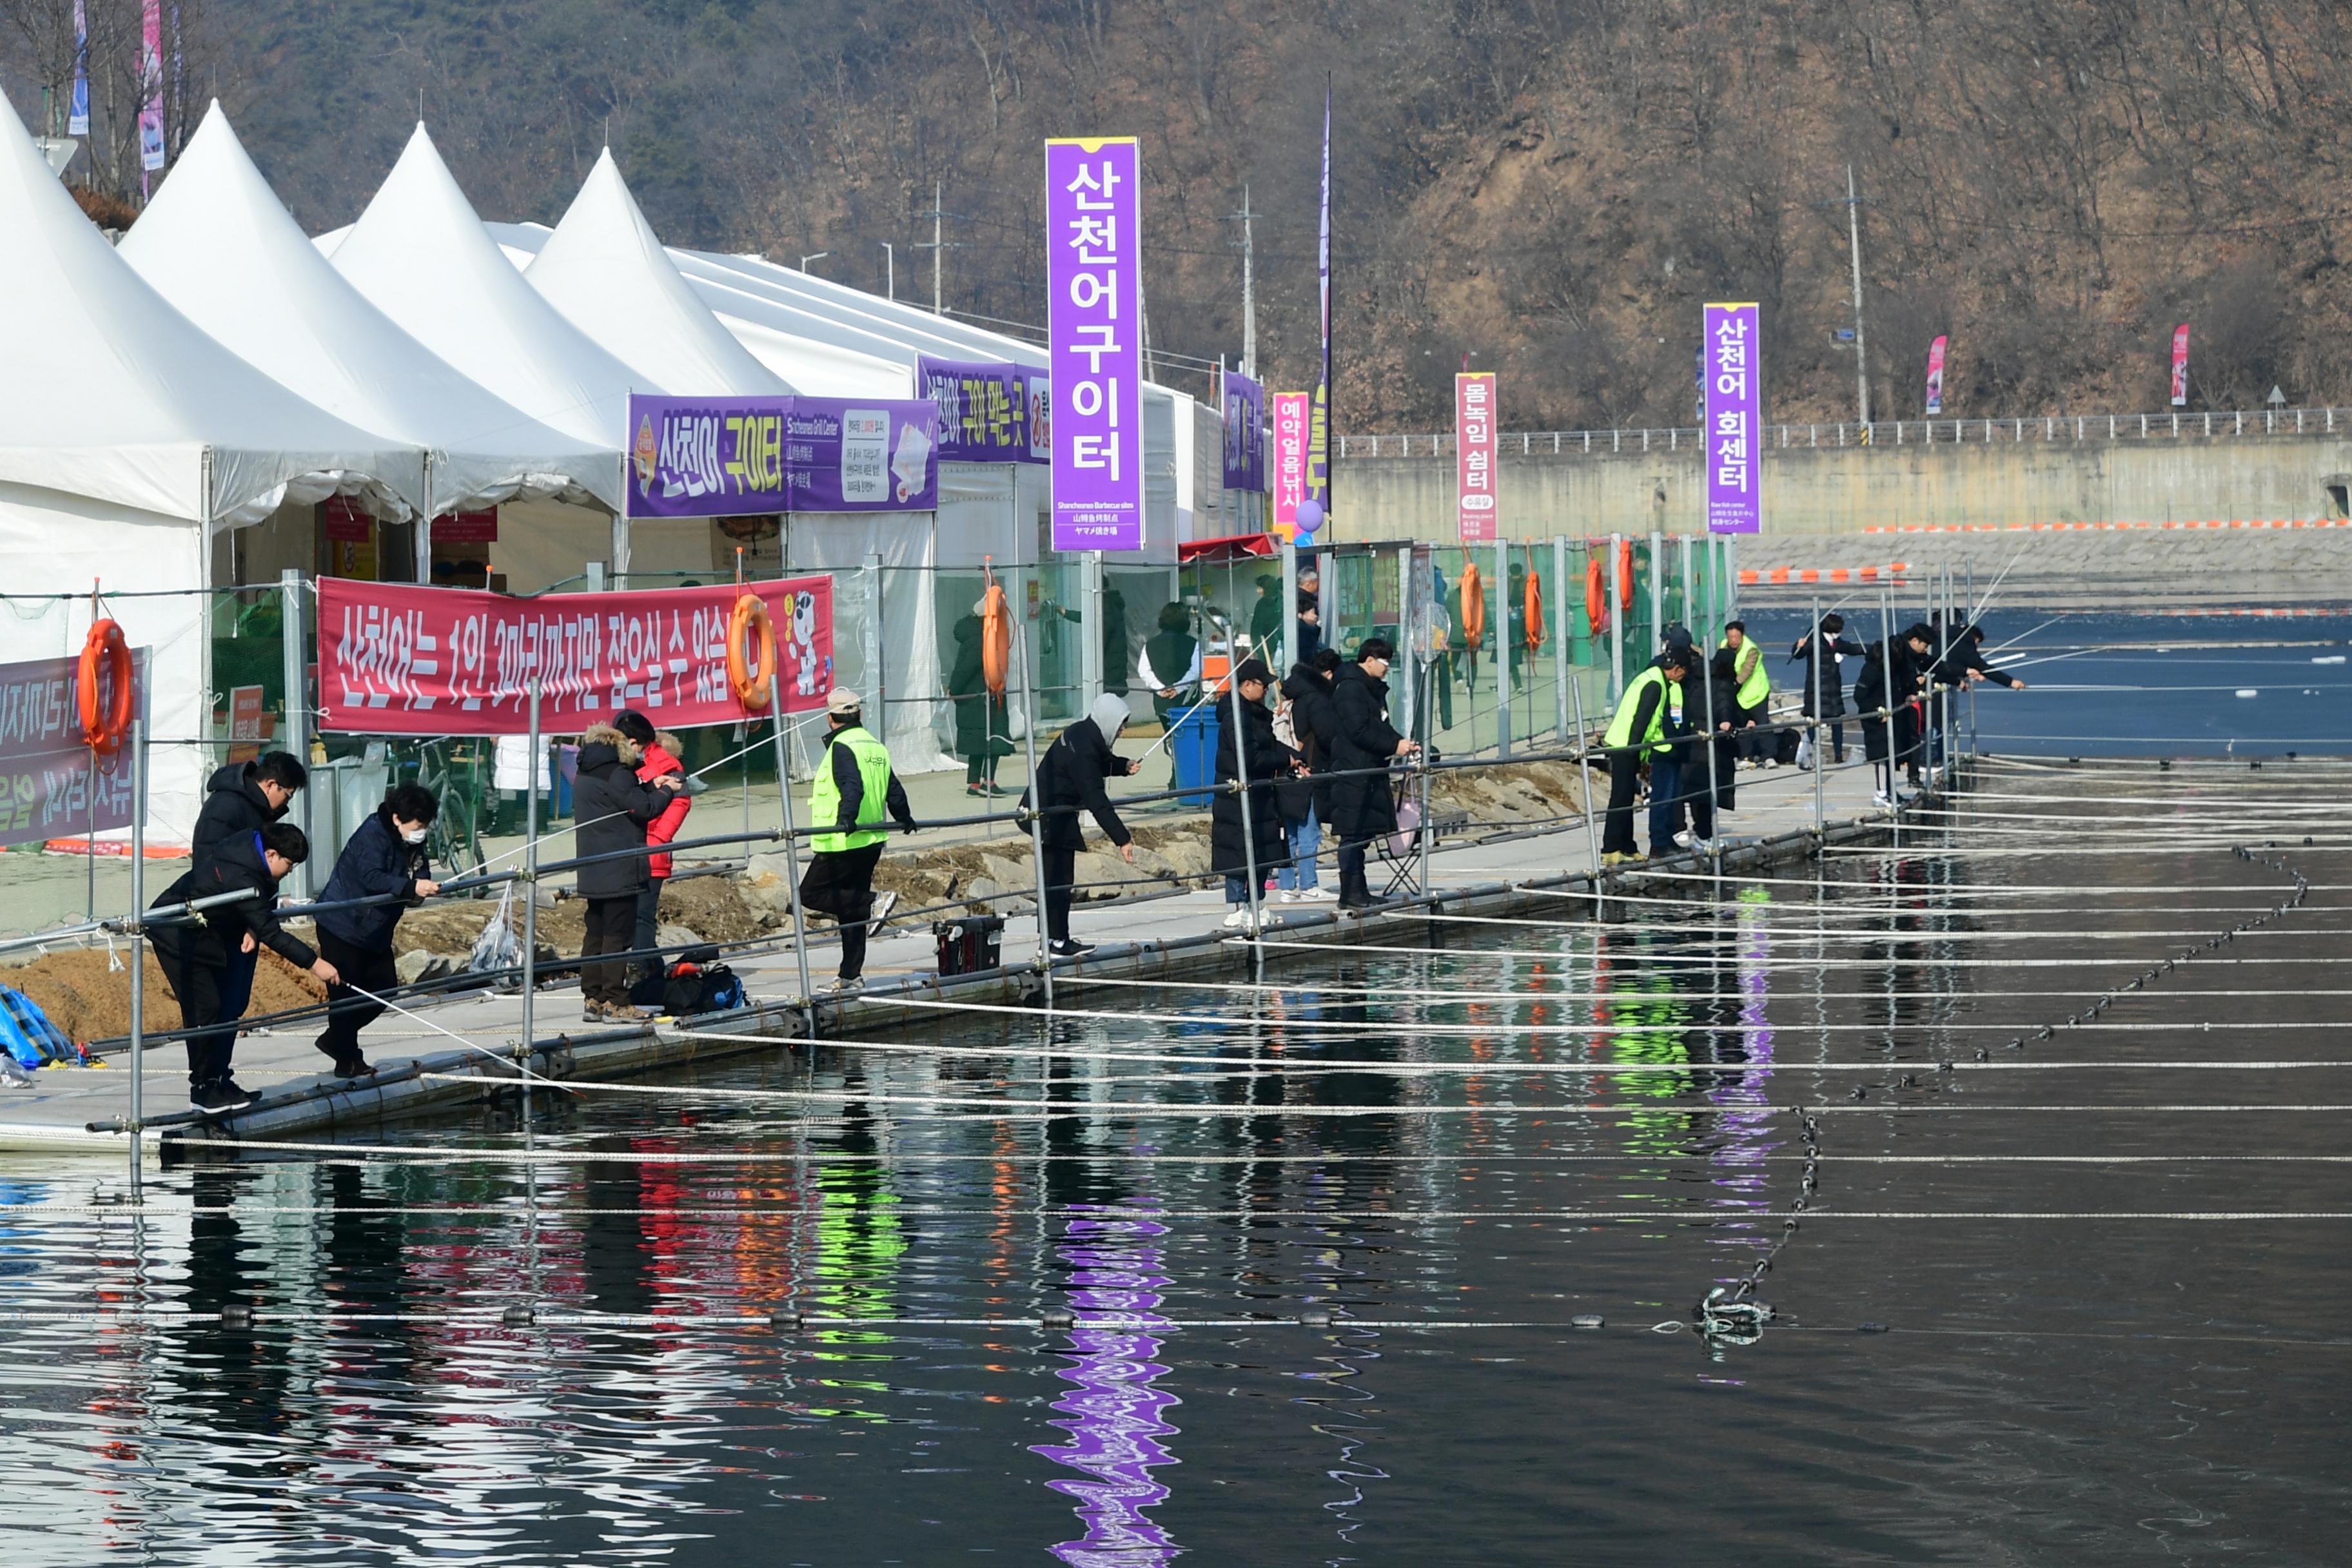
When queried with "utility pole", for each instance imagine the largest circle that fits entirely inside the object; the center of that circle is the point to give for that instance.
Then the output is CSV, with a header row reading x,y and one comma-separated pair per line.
x,y
938,244
1249,287
1861,348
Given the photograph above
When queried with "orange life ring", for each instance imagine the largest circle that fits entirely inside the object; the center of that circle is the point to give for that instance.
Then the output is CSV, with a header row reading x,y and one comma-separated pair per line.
x,y
1596,597
105,645
1534,608
753,689
1624,574
995,637
1473,606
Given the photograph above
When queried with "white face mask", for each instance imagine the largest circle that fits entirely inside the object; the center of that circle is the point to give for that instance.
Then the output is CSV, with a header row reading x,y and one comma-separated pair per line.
x,y
413,835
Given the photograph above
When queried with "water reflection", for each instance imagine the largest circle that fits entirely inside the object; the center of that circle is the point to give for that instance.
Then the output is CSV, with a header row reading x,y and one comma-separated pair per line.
x,y
1116,1408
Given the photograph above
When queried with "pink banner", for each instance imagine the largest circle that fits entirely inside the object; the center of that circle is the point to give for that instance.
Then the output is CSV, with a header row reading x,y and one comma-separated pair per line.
x,y
2181,365
150,87
1474,454
397,659
1290,415
1935,377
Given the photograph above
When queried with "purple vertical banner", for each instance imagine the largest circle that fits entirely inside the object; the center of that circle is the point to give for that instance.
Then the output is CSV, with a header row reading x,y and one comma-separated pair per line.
x,y
78,116
1733,430
1242,403
1317,506
1094,286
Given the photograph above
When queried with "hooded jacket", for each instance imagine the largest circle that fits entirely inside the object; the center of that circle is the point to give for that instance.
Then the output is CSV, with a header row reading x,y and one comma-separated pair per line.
x,y
1312,720
1361,738
375,864
1073,774
231,865
613,810
234,807
1832,685
661,758
1267,760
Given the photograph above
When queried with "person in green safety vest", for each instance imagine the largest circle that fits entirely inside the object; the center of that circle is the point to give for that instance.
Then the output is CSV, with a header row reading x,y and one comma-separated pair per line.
x,y
853,789
1635,735
1739,668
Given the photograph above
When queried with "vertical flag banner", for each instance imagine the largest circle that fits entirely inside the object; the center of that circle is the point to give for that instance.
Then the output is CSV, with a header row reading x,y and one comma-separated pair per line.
x,y
1935,377
2181,365
1318,507
1733,428
1093,281
78,115
1474,454
1290,421
1243,403
150,87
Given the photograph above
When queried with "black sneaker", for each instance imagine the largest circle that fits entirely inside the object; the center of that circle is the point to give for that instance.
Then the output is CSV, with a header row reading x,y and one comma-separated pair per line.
x,y
354,1067
236,1095
1070,948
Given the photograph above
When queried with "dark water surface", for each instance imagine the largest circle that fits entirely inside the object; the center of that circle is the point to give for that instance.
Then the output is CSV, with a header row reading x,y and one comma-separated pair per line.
x,y
2058,1383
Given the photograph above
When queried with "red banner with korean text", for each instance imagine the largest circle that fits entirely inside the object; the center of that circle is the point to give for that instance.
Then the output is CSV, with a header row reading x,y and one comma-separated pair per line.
x,y
399,659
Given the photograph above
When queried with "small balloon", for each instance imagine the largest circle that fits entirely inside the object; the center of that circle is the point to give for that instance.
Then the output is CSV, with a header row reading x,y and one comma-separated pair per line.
x,y
1310,516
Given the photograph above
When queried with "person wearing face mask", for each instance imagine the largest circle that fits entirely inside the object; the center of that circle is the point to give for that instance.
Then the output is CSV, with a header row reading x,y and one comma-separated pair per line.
x,y
385,863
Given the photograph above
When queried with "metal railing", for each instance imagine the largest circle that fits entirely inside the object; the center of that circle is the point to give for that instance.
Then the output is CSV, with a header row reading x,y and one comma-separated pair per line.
x,y
2074,428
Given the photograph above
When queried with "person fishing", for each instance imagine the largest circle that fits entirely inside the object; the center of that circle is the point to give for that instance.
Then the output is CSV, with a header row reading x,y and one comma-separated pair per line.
x,y
613,808
1963,665
239,801
1072,776
1891,677
194,953
1821,651
382,872
1305,723
1247,749
848,795
1364,745
1738,666
1636,739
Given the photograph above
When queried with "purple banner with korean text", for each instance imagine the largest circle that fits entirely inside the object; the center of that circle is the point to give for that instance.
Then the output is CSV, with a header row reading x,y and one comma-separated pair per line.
x,y
47,788
1094,277
1735,425
725,456
1242,402
989,411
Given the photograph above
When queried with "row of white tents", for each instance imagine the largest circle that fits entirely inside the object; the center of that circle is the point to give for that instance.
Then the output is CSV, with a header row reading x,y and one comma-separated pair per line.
x,y
178,407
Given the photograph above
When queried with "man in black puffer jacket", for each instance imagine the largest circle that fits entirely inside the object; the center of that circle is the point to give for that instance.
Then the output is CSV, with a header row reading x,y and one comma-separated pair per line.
x,y
240,800
1250,750
384,862
1363,743
612,808
1073,775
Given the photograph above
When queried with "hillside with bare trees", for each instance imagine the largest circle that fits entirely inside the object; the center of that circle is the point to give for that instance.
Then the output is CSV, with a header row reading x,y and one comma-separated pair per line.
x,y
1551,185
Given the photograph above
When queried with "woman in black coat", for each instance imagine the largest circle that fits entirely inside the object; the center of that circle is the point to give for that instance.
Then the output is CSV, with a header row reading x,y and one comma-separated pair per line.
x,y
1906,665
612,809
1306,796
1362,740
1823,649
983,727
1251,745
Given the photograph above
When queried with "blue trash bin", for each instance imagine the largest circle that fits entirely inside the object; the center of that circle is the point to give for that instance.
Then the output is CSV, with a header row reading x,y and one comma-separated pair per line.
x,y
1194,749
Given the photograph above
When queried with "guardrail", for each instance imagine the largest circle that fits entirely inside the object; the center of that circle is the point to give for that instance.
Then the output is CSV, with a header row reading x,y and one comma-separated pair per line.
x,y
2077,429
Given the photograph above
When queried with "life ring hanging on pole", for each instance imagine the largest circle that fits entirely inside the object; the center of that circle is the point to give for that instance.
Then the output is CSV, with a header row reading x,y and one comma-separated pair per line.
x,y
753,687
995,637
1532,605
1473,606
1596,597
1624,574
108,651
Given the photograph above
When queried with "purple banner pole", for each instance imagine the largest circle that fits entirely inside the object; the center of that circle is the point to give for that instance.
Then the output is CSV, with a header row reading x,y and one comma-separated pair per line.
x,y
1093,279
1733,428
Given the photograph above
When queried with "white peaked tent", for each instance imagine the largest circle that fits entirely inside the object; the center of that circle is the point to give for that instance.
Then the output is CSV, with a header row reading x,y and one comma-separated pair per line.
x,y
128,439
218,245
421,256
605,270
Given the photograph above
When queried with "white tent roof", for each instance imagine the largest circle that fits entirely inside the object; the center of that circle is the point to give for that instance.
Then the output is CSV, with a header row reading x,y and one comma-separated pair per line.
x,y
606,271
217,243
813,352
114,394
421,256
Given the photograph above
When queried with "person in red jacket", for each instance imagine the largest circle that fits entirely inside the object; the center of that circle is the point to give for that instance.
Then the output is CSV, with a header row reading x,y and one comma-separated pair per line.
x,y
660,759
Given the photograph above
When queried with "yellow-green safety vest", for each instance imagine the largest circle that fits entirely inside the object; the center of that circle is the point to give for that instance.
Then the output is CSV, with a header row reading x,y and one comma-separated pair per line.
x,y
824,796
1757,684
1621,727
